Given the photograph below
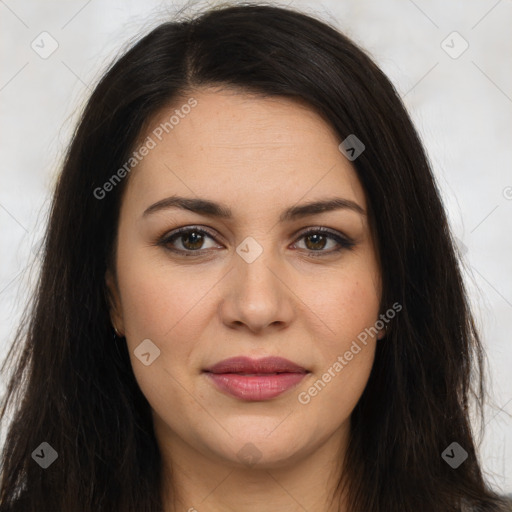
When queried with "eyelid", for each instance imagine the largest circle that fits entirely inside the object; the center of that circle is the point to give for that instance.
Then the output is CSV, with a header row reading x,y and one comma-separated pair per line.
x,y
343,241
175,233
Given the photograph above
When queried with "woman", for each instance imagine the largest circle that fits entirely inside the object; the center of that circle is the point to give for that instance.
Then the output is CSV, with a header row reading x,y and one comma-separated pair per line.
x,y
250,298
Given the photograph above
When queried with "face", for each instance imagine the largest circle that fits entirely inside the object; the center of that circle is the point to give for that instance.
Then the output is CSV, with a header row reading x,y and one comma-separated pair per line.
x,y
273,277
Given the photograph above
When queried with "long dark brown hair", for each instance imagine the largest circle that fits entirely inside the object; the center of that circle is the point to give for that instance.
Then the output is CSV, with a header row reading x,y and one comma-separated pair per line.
x,y
72,384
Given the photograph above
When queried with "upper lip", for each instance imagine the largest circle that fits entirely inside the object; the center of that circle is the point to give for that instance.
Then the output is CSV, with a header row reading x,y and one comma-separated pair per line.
x,y
243,364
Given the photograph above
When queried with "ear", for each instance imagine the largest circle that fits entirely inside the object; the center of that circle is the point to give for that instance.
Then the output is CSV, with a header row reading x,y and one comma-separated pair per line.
x,y
383,332
114,302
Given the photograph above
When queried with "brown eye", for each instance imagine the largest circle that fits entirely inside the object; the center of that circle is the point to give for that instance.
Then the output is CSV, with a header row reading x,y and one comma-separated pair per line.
x,y
187,240
317,240
192,240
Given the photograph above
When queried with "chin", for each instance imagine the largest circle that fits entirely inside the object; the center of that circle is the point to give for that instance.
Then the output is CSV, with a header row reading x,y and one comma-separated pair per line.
x,y
260,451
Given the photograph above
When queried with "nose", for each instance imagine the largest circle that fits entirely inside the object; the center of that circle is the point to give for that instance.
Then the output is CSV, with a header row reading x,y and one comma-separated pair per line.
x,y
256,295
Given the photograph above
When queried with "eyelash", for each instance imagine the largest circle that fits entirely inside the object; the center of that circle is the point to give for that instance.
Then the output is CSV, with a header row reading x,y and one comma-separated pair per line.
x,y
344,242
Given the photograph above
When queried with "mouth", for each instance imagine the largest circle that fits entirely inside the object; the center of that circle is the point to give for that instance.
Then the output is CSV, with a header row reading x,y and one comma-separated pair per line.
x,y
255,379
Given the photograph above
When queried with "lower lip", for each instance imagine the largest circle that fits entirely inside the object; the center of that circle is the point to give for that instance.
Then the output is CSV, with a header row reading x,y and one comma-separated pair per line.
x,y
255,387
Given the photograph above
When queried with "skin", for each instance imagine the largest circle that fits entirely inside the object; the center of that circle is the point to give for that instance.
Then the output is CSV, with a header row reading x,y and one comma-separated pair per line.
x,y
258,156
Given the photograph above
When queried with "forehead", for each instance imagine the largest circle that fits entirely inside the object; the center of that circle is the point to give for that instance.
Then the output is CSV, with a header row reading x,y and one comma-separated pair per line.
x,y
247,147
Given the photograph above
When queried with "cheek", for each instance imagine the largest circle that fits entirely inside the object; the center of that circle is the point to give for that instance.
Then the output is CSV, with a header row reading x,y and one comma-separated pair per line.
x,y
344,310
341,306
164,307
169,305
157,299
333,393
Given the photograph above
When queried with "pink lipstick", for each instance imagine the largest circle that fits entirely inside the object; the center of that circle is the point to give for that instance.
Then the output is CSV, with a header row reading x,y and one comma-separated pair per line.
x,y
255,379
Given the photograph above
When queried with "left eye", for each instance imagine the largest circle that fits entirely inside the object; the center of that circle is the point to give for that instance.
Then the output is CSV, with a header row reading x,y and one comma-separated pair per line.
x,y
316,241
192,240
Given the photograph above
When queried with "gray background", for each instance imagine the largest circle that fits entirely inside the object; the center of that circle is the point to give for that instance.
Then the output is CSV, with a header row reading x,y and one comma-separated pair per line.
x,y
462,107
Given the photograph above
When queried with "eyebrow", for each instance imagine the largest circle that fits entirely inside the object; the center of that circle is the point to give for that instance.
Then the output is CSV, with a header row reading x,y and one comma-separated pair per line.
x,y
213,209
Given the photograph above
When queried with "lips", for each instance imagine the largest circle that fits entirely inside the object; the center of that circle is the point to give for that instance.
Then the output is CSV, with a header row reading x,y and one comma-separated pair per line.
x,y
247,365
255,379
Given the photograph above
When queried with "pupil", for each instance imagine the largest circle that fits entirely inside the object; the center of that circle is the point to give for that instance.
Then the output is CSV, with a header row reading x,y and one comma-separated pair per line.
x,y
192,240
318,244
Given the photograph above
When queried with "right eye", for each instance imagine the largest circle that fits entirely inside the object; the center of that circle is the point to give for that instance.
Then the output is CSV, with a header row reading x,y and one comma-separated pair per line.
x,y
190,238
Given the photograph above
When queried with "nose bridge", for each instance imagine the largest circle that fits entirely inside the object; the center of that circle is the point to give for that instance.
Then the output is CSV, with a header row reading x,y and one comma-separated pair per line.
x,y
256,296
253,267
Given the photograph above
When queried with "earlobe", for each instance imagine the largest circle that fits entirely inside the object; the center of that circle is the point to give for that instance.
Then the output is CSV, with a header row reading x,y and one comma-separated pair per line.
x,y
114,303
382,333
